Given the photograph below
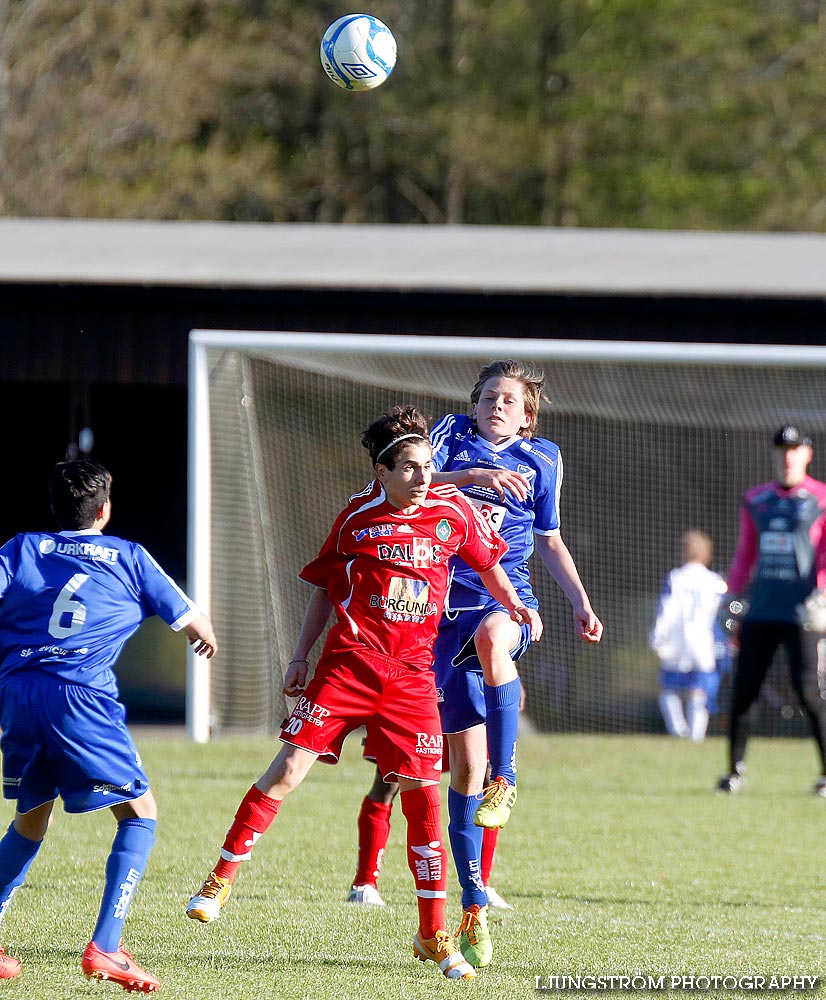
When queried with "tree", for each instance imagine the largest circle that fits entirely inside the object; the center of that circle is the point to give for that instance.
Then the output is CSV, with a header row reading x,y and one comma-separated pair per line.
x,y
634,113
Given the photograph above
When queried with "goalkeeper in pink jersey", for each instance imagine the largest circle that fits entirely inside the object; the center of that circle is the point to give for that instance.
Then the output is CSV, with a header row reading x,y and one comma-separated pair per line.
x,y
781,558
384,571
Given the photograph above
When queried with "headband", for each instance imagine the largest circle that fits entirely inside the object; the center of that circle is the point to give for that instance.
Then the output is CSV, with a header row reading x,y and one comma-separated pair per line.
x,y
402,437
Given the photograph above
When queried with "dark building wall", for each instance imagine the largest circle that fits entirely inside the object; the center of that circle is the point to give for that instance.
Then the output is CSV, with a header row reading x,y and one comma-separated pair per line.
x,y
138,336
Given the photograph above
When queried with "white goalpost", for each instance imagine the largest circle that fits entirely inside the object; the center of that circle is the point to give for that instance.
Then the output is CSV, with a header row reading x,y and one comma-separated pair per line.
x,y
656,439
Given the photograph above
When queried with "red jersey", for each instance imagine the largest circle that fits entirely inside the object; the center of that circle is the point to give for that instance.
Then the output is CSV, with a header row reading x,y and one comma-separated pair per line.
x,y
386,572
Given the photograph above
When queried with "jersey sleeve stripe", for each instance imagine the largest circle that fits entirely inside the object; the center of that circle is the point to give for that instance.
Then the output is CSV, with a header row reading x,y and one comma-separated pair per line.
x,y
441,431
148,556
188,615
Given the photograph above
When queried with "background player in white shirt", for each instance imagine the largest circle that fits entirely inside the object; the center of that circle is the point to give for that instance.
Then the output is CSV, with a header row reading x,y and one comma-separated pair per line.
x,y
69,600
684,637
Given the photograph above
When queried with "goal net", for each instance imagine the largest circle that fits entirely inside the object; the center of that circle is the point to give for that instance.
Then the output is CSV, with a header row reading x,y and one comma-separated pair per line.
x,y
656,439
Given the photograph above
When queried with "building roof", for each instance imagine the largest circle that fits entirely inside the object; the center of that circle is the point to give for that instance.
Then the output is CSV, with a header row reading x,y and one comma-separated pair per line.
x,y
498,259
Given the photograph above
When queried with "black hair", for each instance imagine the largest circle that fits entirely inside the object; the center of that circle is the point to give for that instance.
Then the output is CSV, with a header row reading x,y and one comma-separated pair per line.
x,y
385,437
77,491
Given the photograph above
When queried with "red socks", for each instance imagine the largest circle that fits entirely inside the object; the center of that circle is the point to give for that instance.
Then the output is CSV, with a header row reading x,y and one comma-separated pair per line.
x,y
374,832
426,855
253,818
489,837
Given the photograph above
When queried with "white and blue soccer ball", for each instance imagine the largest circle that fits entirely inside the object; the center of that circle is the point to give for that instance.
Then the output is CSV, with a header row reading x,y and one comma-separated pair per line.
x,y
358,52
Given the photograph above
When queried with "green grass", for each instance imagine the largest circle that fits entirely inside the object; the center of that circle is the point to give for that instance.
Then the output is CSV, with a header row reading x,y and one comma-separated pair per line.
x,y
618,859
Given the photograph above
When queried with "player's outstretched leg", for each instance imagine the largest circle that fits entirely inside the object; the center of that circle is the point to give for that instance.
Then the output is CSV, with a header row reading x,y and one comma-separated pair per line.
x,y
252,819
502,720
105,957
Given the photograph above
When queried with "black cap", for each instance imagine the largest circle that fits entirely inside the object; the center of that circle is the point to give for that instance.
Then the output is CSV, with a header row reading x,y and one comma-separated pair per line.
x,y
790,436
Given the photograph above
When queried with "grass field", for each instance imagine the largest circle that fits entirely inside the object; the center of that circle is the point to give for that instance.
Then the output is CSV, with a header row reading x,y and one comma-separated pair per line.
x,y
618,859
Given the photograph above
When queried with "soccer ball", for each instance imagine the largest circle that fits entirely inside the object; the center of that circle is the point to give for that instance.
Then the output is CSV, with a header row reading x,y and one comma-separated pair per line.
x,y
358,52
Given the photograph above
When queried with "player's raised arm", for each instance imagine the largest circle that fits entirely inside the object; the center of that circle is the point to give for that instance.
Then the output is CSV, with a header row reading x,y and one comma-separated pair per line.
x,y
560,564
502,480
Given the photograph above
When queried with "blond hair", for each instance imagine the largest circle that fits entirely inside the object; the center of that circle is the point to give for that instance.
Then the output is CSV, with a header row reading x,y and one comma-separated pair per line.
x,y
697,547
532,381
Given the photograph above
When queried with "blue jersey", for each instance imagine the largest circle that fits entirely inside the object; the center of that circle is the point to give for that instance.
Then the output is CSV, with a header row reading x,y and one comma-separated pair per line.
x,y
456,445
70,600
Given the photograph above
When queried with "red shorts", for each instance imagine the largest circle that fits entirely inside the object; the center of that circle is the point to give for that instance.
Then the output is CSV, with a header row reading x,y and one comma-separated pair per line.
x,y
395,703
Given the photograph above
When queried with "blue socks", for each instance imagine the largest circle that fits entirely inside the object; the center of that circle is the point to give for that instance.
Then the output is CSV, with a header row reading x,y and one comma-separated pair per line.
x,y
502,721
124,869
16,855
466,847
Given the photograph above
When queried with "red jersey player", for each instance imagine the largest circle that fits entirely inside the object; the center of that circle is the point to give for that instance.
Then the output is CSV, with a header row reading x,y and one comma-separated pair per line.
x,y
384,570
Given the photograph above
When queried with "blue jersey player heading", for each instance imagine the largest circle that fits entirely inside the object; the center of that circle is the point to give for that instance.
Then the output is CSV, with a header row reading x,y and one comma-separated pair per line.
x,y
69,600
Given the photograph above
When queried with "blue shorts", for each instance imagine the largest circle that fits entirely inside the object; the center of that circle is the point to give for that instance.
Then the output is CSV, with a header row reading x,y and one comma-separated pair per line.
x,y
66,740
459,681
687,680
691,680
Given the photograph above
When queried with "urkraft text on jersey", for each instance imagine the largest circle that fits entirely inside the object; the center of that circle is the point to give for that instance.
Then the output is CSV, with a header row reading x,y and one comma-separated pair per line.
x,y
87,550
